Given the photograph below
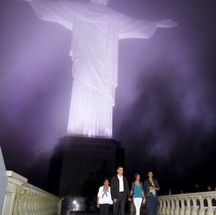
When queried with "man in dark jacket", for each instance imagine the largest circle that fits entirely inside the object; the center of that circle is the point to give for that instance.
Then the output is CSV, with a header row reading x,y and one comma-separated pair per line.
x,y
119,191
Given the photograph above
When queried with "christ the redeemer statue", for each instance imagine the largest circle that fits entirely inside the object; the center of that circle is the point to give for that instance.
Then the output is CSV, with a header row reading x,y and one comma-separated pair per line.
x,y
96,30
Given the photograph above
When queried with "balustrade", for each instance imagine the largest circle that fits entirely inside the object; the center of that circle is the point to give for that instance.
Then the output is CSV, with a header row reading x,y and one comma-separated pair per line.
x,y
188,204
22,198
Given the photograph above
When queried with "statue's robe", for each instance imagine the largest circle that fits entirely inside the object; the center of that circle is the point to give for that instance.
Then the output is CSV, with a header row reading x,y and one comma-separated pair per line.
x,y
96,30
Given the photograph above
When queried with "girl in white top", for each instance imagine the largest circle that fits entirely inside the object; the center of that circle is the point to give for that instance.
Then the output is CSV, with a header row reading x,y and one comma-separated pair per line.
x,y
104,198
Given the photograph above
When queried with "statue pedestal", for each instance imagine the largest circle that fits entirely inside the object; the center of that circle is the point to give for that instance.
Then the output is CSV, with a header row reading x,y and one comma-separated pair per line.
x,y
79,165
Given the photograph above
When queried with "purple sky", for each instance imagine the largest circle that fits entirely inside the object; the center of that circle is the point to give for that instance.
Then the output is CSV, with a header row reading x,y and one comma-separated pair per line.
x,y
165,111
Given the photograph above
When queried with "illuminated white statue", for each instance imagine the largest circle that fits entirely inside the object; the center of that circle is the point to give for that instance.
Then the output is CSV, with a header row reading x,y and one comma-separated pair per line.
x,y
96,30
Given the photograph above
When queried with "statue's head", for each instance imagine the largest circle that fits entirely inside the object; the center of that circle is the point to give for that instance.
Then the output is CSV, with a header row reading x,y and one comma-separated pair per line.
x,y
103,2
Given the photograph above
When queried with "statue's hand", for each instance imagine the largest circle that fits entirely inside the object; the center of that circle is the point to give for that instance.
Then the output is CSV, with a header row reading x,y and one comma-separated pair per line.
x,y
166,23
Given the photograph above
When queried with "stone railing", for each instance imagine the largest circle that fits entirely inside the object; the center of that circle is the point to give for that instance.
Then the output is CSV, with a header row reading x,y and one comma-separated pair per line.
x,y
22,198
188,204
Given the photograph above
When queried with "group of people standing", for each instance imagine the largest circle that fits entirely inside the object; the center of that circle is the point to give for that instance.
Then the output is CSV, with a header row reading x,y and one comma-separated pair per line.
x,y
118,192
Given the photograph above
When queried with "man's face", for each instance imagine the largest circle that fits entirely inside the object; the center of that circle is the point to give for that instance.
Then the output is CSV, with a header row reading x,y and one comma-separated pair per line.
x,y
120,171
103,2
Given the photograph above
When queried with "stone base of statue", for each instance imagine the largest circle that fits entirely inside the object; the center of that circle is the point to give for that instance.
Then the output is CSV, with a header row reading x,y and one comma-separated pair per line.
x,y
78,167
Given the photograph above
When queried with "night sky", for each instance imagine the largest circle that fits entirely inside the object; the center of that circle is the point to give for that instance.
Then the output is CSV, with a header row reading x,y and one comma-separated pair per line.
x,y
165,112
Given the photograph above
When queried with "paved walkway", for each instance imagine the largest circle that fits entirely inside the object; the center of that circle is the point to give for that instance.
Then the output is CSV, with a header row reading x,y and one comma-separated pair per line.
x,y
142,212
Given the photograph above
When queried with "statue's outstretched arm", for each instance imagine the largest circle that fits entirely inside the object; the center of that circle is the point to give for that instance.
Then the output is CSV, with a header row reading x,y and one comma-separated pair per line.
x,y
135,28
61,12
